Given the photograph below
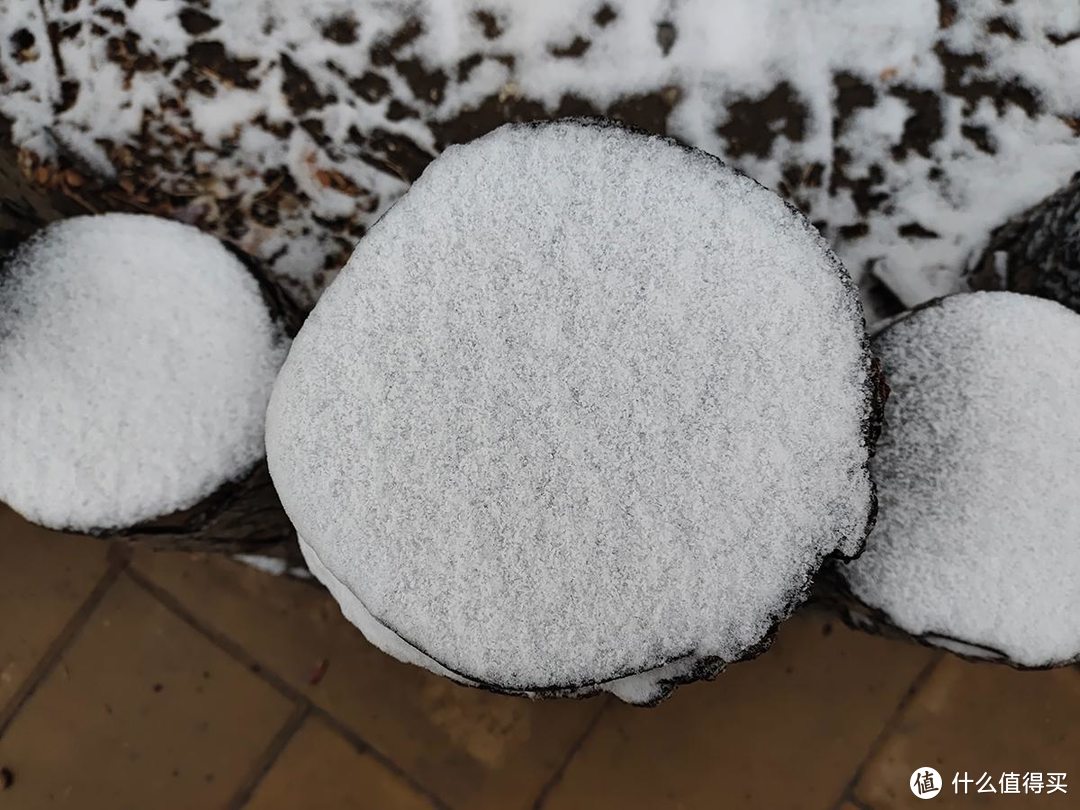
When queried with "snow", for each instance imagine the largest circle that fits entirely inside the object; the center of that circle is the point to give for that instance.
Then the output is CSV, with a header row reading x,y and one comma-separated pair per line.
x,y
275,566
584,402
374,631
650,687
136,362
1005,70
976,539
644,688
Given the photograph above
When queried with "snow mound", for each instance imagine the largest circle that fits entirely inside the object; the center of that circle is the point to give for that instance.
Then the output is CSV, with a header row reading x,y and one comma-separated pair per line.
x,y
136,360
977,539
583,403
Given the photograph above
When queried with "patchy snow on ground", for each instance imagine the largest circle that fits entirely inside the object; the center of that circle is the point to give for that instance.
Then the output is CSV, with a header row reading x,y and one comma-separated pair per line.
x,y
906,130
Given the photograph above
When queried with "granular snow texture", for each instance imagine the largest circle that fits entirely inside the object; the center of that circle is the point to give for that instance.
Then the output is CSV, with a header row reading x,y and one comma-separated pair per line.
x,y
136,361
978,538
643,688
905,130
582,403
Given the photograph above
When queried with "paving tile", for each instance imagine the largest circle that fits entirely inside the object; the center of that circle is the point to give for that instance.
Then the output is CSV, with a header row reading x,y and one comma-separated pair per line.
x,y
473,749
140,712
787,730
981,718
320,770
44,577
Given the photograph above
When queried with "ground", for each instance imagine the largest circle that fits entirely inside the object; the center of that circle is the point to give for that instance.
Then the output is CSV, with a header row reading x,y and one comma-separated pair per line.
x,y
171,680
905,131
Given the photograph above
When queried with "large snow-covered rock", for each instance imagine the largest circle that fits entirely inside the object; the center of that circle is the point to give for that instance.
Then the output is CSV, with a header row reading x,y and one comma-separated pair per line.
x,y
136,361
585,403
977,546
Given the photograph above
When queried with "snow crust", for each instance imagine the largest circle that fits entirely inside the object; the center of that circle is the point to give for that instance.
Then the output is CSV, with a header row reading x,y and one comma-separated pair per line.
x,y
584,402
976,543
970,161
136,362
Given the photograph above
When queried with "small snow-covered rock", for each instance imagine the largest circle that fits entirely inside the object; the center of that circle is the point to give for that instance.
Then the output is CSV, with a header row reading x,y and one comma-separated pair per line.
x,y
136,361
977,545
583,404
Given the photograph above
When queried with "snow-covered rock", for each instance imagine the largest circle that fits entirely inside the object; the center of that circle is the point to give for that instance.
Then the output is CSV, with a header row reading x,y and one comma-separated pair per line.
x,y
977,544
136,361
584,404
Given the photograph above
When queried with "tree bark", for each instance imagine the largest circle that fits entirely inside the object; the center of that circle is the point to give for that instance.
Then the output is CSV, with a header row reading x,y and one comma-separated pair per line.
x,y
1037,252
240,517
26,205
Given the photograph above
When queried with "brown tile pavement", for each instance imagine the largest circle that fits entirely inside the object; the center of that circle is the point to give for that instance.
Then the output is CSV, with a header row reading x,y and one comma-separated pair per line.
x,y
130,688
981,718
786,730
473,749
139,712
44,578
321,770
